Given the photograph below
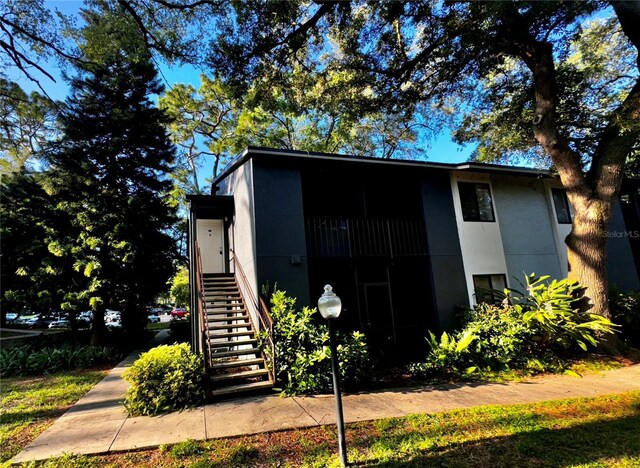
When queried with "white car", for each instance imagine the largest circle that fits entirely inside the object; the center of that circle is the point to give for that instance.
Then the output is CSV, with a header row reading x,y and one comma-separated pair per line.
x,y
153,319
59,324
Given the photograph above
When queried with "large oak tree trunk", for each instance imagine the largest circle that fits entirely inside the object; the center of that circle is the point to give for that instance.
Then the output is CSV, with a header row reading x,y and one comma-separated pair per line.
x,y
587,253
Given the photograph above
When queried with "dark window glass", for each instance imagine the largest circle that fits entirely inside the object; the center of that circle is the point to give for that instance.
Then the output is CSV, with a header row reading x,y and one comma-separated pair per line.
x,y
476,202
488,288
561,204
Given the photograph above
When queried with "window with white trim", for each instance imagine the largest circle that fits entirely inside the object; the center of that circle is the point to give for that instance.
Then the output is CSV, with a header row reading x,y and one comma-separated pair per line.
x,y
476,202
486,287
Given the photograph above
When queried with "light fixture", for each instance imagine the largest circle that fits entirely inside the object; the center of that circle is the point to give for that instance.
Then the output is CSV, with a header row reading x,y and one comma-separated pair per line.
x,y
330,307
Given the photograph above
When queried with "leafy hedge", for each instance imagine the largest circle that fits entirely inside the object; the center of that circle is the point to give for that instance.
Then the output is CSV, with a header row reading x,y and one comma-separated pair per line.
x,y
526,331
26,360
302,353
165,378
625,310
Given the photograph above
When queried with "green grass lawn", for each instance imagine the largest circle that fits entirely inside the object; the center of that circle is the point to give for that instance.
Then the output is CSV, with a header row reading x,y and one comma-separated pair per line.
x,y
581,432
28,405
158,326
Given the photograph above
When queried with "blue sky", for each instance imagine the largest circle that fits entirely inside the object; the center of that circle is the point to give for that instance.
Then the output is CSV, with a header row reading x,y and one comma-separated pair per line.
x,y
442,148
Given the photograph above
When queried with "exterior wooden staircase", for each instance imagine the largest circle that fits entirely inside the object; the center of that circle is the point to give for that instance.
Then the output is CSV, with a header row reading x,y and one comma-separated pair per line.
x,y
235,363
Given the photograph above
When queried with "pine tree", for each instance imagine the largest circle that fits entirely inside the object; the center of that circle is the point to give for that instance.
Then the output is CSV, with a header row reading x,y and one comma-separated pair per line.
x,y
108,172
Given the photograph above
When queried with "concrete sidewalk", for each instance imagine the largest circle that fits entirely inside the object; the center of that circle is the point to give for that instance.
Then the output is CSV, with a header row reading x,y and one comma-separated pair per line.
x,y
97,423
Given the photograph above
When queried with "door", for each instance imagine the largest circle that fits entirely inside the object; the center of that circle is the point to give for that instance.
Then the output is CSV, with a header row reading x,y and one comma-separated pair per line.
x,y
210,236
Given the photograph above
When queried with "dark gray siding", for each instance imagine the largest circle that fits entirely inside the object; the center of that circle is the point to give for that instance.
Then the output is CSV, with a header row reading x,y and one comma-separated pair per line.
x,y
622,269
447,270
280,231
526,228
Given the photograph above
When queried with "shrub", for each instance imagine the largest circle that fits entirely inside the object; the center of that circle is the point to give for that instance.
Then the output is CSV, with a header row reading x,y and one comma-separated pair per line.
x,y
302,354
527,331
25,360
163,379
625,310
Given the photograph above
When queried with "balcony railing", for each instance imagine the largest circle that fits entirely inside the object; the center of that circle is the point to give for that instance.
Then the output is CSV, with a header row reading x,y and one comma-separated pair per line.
x,y
342,237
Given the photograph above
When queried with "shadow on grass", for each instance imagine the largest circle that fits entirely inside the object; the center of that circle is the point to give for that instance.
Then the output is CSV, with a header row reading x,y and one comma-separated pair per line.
x,y
582,444
26,416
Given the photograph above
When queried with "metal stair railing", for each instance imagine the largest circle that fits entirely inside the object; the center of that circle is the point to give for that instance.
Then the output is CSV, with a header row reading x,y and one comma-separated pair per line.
x,y
259,306
204,326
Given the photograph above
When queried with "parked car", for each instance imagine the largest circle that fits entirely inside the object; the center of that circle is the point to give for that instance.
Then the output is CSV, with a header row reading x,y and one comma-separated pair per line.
x,y
11,316
59,324
87,315
23,322
179,312
39,321
153,318
114,324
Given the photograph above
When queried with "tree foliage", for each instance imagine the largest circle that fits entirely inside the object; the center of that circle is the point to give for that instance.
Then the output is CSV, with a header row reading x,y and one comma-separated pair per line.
x,y
32,279
521,76
27,122
108,174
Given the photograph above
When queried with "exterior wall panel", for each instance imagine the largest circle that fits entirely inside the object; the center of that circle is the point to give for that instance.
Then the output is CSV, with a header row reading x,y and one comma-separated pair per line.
x,y
280,231
526,229
480,241
622,269
445,256
242,229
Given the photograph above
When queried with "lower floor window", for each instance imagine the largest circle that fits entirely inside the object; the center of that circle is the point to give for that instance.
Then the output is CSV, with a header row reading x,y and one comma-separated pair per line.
x,y
488,288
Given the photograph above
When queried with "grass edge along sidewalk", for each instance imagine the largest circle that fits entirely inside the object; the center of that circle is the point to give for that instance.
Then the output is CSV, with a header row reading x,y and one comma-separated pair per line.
x,y
594,431
29,405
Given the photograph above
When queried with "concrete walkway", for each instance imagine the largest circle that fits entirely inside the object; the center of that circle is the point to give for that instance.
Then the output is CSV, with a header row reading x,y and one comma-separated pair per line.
x,y
97,423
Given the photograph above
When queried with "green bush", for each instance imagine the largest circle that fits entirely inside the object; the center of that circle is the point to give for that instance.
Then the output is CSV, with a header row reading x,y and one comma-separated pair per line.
x,y
526,331
165,378
625,310
25,360
302,354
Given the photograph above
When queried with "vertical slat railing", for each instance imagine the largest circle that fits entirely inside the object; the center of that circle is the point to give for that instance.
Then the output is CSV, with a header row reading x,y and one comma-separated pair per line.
x,y
258,305
204,325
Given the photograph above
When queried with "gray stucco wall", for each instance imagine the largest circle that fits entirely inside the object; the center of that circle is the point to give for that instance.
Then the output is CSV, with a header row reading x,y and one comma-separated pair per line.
x,y
622,270
447,270
522,209
280,230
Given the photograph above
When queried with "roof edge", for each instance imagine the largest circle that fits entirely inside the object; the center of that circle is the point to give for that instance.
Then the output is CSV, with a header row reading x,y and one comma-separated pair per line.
x,y
252,151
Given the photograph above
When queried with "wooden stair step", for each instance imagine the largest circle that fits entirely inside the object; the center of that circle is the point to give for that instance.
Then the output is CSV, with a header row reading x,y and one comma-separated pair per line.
x,y
229,326
226,311
237,363
228,319
241,388
231,334
235,352
224,301
239,375
227,344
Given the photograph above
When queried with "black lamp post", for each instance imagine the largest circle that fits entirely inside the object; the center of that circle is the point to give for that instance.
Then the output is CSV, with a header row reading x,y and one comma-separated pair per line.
x,y
330,307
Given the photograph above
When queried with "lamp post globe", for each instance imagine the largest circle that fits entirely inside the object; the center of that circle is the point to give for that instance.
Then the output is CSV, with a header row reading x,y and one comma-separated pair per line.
x,y
329,304
330,307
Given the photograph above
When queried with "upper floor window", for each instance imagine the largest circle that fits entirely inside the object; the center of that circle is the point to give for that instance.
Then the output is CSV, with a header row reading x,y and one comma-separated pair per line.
x,y
561,203
476,202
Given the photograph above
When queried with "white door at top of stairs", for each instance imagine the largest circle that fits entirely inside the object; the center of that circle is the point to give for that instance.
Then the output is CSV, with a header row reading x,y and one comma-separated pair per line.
x,y
210,235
